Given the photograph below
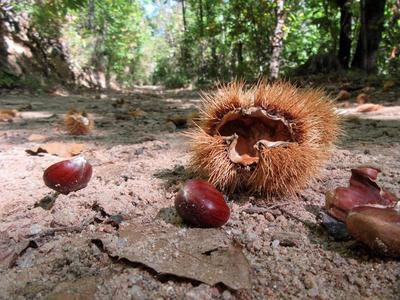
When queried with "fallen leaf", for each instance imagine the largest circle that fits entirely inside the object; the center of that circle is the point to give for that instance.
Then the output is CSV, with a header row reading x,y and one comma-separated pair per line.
x,y
59,91
387,85
9,251
81,289
367,89
205,255
362,98
183,121
368,107
59,149
47,202
343,95
37,137
7,115
137,113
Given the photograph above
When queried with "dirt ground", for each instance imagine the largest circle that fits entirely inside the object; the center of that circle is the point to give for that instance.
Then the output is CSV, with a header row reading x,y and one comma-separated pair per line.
x,y
139,163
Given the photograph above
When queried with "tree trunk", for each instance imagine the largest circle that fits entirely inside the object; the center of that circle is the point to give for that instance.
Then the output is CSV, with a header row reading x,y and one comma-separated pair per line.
x,y
372,16
184,16
201,18
345,33
277,40
91,15
239,59
393,23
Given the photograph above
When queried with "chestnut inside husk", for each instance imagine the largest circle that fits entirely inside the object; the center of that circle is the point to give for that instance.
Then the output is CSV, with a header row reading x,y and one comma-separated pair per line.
x,y
249,130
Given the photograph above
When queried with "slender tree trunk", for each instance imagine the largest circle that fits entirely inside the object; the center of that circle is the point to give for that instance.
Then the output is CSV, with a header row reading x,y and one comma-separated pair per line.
x,y
393,23
372,14
201,65
277,40
345,33
184,16
184,44
201,18
91,14
214,56
239,58
108,73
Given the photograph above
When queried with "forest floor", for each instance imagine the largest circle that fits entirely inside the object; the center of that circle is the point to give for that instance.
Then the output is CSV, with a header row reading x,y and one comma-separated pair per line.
x,y
139,162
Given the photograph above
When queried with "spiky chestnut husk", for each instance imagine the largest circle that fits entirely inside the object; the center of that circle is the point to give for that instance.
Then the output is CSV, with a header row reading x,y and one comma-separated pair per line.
x,y
78,123
270,139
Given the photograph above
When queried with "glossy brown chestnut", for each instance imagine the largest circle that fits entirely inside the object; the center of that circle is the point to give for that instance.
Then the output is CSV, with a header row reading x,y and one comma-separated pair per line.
x,y
68,175
200,204
378,227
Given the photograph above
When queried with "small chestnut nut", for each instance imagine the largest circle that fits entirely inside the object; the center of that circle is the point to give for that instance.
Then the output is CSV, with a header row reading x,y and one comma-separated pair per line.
x,y
200,204
68,175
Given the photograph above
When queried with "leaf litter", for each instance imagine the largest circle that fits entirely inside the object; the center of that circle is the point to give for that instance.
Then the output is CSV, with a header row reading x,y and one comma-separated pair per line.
x,y
59,149
205,255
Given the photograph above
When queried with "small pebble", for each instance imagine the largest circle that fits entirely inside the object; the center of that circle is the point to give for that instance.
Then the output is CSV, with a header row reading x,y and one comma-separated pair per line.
x,y
269,217
288,239
275,244
226,295
309,281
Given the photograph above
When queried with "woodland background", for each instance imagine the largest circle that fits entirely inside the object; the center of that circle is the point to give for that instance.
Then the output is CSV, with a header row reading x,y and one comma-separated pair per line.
x,y
122,43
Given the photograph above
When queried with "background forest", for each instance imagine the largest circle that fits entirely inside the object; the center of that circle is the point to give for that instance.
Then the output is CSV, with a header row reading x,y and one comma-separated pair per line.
x,y
177,43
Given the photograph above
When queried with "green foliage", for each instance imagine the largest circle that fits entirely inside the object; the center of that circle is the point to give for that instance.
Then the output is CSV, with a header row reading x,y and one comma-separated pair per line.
x,y
143,41
390,40
31,82
8,80
112,39
310,31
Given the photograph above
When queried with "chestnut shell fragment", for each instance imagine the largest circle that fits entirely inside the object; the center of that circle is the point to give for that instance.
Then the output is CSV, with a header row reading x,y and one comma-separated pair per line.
x,y
200,204
68,175
362,190
377,227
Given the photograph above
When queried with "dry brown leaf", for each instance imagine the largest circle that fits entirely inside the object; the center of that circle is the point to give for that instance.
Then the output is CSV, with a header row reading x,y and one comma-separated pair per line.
x,y
343,95
205,255
7,115
362,98
59,149
81,289
387,85
37,137
183,121
368,107
367,89
9,252
137,113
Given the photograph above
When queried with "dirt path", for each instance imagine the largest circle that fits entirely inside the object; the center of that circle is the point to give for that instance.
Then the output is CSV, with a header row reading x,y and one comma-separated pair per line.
x,y
139,163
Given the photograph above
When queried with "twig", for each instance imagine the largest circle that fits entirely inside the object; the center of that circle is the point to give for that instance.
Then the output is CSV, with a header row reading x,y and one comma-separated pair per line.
x,y
260,210
52,231
304,222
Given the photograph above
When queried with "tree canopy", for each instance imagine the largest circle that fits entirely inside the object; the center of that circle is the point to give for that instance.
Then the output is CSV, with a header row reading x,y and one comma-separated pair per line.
x,y
199,41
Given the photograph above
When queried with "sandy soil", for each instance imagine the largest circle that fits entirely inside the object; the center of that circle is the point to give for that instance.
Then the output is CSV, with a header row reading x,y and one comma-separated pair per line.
x,y
139,164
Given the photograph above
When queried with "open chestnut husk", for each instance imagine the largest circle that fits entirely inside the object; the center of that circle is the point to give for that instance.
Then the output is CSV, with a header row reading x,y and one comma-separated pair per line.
x,y
200,204
362,190
377,227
